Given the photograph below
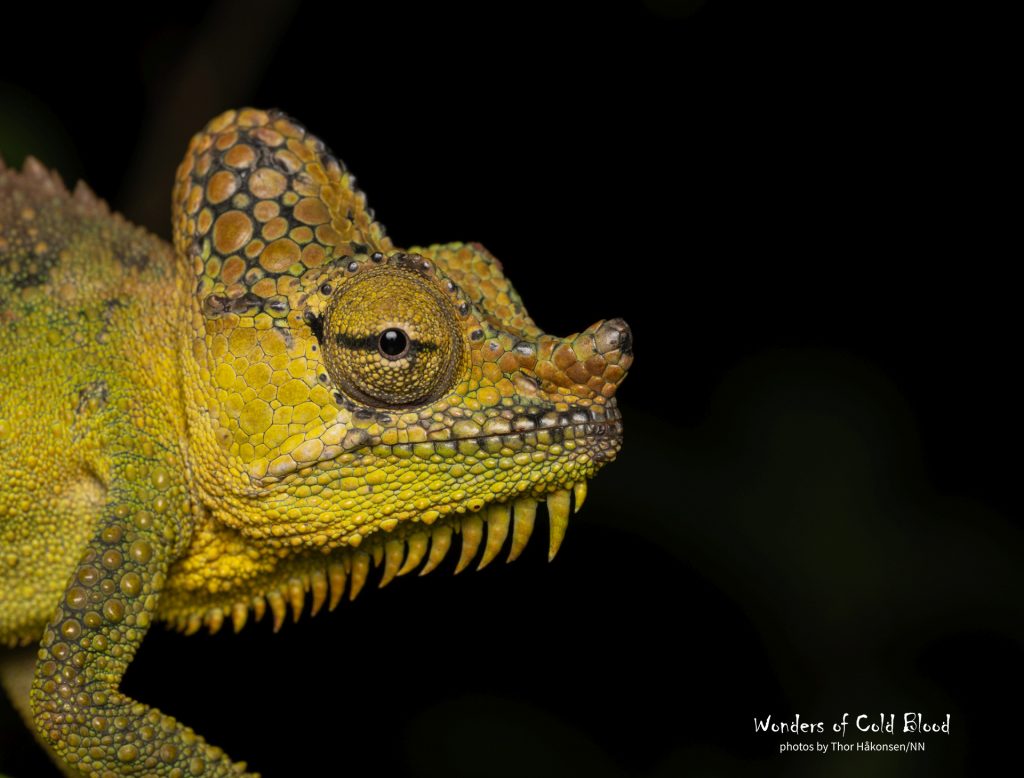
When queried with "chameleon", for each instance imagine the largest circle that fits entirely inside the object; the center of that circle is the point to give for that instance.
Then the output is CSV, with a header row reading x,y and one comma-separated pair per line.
x,y
254,419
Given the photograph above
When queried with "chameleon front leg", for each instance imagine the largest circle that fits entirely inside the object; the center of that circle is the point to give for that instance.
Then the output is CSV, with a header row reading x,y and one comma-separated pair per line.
x,y
17,667
105,612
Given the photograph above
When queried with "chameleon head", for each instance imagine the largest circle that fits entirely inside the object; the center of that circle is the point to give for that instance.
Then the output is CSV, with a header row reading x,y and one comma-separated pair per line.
x,y
351,396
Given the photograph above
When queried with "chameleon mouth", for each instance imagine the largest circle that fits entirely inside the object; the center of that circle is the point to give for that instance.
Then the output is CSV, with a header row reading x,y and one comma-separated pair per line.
x,y
587,438
594,430
491,528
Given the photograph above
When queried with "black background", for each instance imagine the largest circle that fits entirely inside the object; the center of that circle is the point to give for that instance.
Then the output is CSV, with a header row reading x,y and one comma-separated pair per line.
x,y
802,210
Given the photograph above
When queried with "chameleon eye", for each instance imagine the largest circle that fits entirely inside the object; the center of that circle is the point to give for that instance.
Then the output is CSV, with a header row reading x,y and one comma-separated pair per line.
x,y
391,339
393,343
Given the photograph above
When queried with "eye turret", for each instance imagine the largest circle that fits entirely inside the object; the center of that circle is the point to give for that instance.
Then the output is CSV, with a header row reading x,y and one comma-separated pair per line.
x,y
391,339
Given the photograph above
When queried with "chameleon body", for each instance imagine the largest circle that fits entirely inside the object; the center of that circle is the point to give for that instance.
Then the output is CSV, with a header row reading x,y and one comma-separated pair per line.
x,y
251,420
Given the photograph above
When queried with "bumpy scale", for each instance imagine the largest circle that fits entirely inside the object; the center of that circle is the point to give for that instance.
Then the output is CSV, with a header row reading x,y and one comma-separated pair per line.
x,y
268,411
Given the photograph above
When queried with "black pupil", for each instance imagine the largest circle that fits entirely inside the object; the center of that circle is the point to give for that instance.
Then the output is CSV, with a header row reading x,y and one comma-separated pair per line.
x,y
393,342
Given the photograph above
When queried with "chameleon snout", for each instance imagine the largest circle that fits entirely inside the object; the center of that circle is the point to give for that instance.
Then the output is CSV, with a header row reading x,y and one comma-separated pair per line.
x,y
614,341
592,363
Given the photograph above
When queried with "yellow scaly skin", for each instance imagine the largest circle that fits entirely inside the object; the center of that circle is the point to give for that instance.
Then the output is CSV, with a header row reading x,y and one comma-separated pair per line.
x,y
271,408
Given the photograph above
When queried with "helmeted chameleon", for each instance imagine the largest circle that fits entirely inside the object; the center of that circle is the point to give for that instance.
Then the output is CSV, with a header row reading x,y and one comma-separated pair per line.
x,y
254,419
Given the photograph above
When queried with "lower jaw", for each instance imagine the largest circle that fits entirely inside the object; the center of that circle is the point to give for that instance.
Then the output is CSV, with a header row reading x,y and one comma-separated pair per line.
x,y
327,578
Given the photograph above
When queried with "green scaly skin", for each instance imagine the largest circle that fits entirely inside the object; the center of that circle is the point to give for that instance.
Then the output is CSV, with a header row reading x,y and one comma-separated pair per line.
x,y
264,412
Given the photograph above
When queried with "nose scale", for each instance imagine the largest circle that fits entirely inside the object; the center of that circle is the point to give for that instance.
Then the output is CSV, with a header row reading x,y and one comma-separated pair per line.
x,y
614,335
589,364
